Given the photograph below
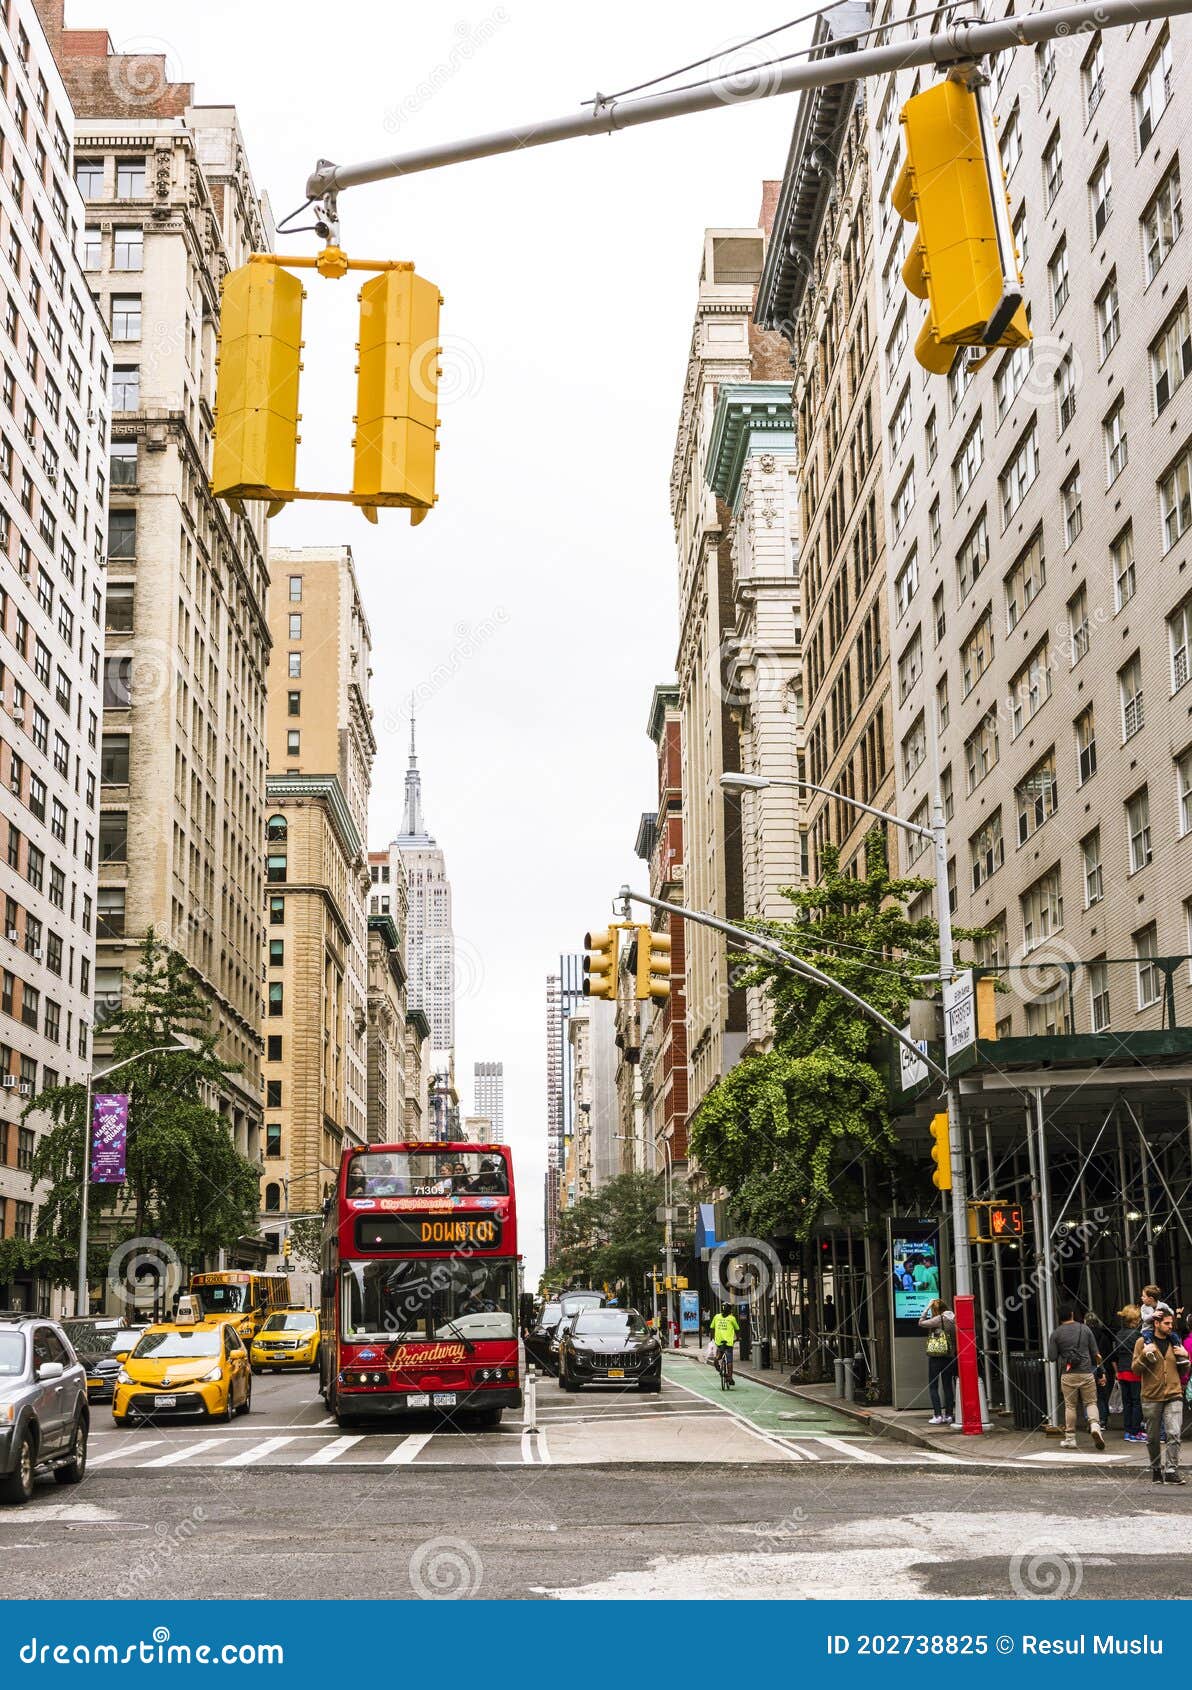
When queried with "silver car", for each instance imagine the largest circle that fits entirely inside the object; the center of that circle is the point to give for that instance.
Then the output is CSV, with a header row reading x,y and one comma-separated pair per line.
x,y
44,1419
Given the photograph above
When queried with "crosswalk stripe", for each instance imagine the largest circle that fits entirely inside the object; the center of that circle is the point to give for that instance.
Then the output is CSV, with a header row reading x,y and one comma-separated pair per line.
x,y
408,1449
544,1454
847,1447
121,1449
940,1455
257,1452
329,1451
184,1454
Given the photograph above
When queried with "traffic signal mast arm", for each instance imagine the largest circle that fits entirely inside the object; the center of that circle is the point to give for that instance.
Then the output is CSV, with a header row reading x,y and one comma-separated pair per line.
x,y
797,965
961,42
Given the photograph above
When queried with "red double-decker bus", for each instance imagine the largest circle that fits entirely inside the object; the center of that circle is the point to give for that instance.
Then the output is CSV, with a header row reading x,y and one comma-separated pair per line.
x,y
420,1283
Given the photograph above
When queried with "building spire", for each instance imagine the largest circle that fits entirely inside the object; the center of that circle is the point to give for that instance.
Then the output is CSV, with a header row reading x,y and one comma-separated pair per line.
x,y
412,826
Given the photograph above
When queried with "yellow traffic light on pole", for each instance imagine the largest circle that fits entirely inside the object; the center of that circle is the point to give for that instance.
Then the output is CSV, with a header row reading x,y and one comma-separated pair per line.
x,y
397,393
287,1249
653,964
941,1152
256,411
962,259
600,965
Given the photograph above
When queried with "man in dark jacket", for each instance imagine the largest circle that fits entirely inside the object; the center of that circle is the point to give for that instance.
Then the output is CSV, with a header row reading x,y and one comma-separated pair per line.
x,y
1161,1360
1074,1348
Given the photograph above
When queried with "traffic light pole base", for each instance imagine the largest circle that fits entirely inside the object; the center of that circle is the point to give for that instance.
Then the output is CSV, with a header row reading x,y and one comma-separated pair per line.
x,y
966,1366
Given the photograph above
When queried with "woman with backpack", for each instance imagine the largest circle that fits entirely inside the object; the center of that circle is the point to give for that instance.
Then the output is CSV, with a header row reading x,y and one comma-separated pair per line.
x,y
939,1323
1129,1382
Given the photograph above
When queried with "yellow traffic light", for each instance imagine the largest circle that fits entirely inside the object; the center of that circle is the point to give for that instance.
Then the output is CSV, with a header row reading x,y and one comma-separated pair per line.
x,y
653,964
287,1249
256,414
600,966
397,393
961,260
941,1152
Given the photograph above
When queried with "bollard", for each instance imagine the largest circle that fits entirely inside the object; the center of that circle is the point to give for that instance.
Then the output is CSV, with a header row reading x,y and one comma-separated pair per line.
x,y
839,1365
850,1382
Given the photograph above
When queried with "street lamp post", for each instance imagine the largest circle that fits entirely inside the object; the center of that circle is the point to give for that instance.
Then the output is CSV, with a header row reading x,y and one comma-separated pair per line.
x,y
961,1255
81,1286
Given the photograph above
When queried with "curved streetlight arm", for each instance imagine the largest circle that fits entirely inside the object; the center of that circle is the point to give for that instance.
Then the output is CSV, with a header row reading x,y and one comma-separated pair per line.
x,y
796,964
758,783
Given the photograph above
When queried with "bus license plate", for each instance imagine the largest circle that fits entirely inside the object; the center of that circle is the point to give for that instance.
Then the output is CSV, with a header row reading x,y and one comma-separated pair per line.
x,y
445,1399
165,1402
418,1399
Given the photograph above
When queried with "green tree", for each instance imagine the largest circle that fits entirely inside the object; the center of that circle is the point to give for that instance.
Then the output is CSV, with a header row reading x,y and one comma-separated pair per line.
x,y
186,1182
612,1237
793,1131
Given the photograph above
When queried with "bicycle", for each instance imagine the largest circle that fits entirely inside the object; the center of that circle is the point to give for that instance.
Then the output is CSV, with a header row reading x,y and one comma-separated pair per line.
x,y
724,1366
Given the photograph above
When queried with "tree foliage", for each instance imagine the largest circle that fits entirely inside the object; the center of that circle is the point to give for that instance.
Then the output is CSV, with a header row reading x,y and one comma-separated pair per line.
x,y
186,1181
788,1133
613,1237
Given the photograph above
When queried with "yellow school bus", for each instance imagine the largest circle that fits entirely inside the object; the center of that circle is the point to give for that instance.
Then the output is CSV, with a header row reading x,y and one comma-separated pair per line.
x,y
241,1297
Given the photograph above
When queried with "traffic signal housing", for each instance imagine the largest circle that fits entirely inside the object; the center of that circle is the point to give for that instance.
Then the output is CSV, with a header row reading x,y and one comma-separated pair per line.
x,y
397,393
653,964
962,259
287,1248
941,1152
254,454
600,964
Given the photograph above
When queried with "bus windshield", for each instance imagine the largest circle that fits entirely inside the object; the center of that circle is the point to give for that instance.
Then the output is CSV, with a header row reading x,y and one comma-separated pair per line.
x,y
419,1300
222,1299
422,1173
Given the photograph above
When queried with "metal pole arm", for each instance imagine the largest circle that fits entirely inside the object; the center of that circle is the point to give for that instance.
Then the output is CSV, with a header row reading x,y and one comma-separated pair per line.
x,y
958,43
796,964
831,792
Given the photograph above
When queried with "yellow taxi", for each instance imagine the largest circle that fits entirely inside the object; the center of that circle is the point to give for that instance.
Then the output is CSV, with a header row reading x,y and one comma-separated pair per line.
x,y
288,1339
184,1366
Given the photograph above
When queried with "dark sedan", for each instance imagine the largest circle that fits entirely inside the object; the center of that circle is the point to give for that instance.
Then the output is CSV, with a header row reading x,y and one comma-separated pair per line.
x,y
609,1346
540,1335
101,1345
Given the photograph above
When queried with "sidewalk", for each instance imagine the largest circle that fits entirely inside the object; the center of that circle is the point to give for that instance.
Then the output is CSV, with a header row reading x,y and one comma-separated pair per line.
x,y
1002,1444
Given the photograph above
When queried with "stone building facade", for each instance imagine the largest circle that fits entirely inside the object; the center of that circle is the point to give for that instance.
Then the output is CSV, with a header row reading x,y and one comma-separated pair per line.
x,y
1041,597
56,367
386,1032
170,208
321,748
818,289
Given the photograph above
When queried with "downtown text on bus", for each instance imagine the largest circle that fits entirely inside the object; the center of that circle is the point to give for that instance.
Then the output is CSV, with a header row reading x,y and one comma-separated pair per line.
x,y
420,1283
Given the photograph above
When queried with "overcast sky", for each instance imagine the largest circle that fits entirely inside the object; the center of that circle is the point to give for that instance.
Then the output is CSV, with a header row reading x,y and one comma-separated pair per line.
x,y
535,608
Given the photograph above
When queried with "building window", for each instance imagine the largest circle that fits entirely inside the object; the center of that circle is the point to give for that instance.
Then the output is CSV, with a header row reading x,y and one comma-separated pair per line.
x,y
942,710
126,387
904,501
295,589
1117,445
933,524
273,1047
1108,317
1072,505
110,912
1175,500
1130,690
88,174
113,760
1030,689
914,747
906,584
294,703
976,654
275,868
1138,829
1121,557
1024,582
122,534
1099,1016
1045,60
1153,93
273,1132
1162,222
1011,143
1086,746
277,953
939,618
1011,373
987,850
1019,474
122,464
967,462
293,742
113,836
128,249
1057,279
1146,948
126,316
91,250
1078,624
910,666
130,178
276,997
1183,791
1101,196
1065,391
1092,76
973,555
981,750
296,625
1090,856
273,1198
1042,909
1053,168
1171,356
277,907
1035,797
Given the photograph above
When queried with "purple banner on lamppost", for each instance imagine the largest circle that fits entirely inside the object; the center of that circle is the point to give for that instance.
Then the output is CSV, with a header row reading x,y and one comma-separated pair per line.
x,y
109,1137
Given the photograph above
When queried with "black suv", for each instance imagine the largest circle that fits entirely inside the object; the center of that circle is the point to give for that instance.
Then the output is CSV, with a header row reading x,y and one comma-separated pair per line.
x,y
44,1418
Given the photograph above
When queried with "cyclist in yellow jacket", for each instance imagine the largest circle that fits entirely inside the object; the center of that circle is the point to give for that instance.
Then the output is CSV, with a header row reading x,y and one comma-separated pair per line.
x,y
725,1327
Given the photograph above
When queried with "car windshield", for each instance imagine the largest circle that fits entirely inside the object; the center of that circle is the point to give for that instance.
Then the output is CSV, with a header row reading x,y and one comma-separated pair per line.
x,y
422,1173
174,1345
627,1322
12,1355
85,1335
222,1299
303,1321
122,1342
551,1315
446,1299
573,1301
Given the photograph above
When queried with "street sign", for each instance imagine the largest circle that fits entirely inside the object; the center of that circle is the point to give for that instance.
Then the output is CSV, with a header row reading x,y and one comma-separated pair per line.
x,y
960,1013
910,1071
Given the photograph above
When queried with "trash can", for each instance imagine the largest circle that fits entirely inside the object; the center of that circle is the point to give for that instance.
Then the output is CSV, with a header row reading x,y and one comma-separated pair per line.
x,y
764,1352
1028,1392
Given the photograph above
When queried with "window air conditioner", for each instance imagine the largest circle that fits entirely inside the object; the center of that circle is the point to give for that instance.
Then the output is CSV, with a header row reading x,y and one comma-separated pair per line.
x,y
26,1089
10,1080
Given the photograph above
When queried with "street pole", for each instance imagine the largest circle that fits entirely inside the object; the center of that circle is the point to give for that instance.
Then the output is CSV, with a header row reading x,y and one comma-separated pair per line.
x,y
669,1237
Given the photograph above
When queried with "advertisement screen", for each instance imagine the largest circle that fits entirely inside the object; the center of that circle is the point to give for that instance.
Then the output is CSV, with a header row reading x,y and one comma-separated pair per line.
x,y
916,1270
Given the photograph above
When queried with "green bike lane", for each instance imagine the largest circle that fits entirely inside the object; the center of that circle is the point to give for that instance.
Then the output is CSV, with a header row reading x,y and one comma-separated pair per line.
x,y
777,1413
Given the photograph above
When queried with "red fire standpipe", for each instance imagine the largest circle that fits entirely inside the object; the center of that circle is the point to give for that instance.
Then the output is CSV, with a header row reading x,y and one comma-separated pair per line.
x,y
966,1364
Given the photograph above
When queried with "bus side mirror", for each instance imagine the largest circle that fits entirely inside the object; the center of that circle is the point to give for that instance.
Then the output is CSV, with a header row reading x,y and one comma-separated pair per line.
x,y
328,1285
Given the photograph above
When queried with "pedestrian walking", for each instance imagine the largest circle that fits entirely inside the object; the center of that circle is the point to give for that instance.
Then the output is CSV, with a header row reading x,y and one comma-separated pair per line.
x,y
1106,1343
939,1323
1162,1362
1074,1349
1129,1382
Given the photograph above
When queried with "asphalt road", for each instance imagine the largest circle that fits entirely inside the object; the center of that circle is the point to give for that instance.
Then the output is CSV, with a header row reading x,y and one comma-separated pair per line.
x,y
777,1509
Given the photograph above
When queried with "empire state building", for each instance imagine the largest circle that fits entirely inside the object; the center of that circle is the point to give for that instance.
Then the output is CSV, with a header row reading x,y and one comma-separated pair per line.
x,y
430,945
